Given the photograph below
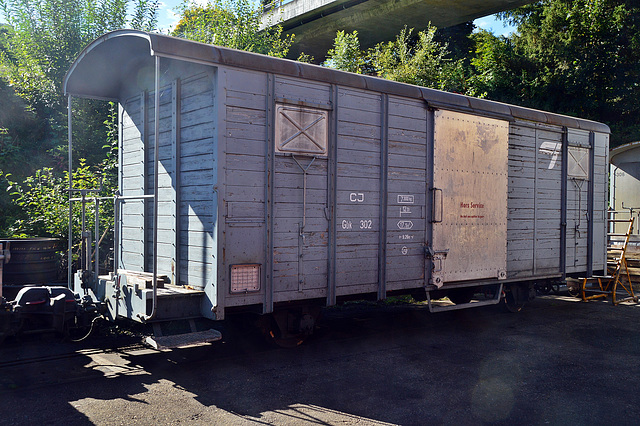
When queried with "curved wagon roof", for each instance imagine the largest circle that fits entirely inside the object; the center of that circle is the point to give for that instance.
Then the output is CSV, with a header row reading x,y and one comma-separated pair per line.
x,y
103,66
625,153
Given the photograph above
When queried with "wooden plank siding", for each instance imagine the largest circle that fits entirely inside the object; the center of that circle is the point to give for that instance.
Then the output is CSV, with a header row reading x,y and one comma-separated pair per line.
x,y
358,191
133,130
229,169
197,180
407,175
244,177
300,254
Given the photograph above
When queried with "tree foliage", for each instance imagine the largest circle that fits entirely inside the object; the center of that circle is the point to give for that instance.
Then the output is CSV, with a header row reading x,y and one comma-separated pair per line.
x,y
38,45
421,61
577,57
234,24
345,54
42,199
410,58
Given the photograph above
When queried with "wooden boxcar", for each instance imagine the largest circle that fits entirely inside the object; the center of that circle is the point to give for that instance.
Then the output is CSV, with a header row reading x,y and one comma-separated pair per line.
x,y
272,184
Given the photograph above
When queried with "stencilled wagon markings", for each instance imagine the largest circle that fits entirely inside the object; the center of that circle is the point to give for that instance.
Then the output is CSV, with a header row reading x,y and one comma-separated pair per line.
x,y
405,210
405,224
347,224
356,197
366,224
552,149
406,199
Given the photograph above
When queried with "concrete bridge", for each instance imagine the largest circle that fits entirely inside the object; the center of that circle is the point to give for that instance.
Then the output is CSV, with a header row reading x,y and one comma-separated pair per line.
x,y
315,22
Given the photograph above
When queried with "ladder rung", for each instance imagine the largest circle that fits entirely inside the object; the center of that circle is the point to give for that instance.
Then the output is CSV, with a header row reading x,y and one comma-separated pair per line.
x,y
620,220
617,235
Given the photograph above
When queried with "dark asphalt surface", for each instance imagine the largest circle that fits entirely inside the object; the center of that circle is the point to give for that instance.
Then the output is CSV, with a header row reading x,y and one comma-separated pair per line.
x,y
559,361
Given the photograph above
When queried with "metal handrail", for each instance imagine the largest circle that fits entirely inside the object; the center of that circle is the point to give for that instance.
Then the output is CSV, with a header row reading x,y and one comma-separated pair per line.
x,y
156,161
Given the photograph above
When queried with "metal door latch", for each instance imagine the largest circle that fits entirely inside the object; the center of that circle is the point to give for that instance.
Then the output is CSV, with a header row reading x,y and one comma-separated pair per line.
x,y
437,259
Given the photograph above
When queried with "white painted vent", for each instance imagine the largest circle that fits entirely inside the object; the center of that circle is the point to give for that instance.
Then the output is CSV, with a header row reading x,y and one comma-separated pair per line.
x,y
245,278
301,130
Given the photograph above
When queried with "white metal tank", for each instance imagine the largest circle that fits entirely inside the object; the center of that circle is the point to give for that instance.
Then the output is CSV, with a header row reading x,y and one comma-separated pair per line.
x,y
624,181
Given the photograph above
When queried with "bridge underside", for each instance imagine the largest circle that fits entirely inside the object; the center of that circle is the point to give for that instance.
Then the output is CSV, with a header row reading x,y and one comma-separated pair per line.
x,y
315,22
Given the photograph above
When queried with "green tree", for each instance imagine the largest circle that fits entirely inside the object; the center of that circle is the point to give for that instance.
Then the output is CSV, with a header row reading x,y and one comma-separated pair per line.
x,y
580,57
346,54
421,61
410,58
498,71
234,24
39,44
42,199
458,40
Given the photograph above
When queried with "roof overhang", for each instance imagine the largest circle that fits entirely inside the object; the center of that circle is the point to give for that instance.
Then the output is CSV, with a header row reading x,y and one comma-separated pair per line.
x,y
100,69
124,60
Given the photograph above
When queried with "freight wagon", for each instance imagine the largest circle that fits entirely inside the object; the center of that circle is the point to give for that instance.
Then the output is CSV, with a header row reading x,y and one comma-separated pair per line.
x,y
251,183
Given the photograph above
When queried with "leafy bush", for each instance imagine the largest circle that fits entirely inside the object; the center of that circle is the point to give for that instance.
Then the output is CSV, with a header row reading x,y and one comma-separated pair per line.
x,y
41,201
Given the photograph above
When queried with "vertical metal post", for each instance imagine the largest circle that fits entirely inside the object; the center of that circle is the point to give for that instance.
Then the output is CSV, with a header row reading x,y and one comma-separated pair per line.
x,y
535,204
85,255
117,224
384,196
156,170
96,253
70,235
154,255
592,149
269,170
333,196
563,203
116,234
144,137
176,118
301,233
429,220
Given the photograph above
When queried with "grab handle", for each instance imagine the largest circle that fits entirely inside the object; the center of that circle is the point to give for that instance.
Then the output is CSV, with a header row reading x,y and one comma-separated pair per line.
x,y
437,206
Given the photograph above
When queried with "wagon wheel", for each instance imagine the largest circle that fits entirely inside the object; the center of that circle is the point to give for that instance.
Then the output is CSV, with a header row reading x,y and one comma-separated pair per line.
x,y
544,288
275,330
509,302
574,291
289,341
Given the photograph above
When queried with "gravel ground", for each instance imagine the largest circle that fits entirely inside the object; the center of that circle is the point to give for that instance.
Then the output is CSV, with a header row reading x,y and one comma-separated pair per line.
x,y
559,361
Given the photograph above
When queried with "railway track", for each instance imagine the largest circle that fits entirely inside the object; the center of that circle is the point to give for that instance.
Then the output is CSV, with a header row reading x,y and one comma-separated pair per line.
x,y
12,363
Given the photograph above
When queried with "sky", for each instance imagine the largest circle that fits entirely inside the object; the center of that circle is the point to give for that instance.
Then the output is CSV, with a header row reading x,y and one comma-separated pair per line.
x,y
167,19
494,25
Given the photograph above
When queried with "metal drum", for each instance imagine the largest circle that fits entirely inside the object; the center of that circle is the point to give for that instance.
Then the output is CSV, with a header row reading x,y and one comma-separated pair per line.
x,y
31,260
